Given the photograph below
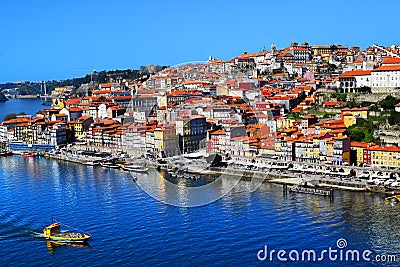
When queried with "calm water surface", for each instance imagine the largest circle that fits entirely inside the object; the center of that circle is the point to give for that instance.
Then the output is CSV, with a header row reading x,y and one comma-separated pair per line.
x,y
17,105
130,228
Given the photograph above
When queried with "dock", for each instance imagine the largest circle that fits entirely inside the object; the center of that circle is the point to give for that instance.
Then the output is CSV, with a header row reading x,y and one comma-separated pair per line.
x,y
312,191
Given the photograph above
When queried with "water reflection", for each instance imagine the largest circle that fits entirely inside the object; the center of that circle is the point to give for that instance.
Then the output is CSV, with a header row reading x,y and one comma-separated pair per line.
x,y
53,246
185,192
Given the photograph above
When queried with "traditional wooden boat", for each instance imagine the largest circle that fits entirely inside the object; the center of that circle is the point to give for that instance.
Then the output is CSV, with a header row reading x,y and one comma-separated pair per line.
x,y
53,232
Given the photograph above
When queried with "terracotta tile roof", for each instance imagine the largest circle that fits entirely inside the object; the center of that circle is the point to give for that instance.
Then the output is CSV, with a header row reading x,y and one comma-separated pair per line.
x,y
218,132
72,101
73,109
106,85
100,92
352,73
17,120
391,60
386,149
83,118
361,144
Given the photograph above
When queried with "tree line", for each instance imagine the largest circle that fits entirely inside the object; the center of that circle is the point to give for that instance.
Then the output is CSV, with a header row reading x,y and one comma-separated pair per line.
x,y
33,88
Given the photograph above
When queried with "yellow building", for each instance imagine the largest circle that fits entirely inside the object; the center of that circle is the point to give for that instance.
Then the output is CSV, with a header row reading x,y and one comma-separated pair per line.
x,y
382,156
315,153
329,151
165,140
81,125
357,151
278,147
59,90
350,115
58,103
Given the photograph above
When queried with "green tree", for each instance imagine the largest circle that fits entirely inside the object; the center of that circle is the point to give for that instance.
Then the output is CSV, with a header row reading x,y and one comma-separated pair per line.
x,y
365,89
394,118
389,102
10,116
339,96
239,101
358,134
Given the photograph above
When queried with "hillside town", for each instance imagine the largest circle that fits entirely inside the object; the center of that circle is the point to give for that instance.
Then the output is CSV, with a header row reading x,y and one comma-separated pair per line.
x,y
274,104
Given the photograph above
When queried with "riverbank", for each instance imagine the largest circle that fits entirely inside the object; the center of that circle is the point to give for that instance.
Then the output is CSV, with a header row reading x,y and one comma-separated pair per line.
x,y
29,96
278,177
200,166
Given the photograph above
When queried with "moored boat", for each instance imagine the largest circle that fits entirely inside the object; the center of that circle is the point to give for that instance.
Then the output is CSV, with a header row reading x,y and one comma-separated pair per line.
x,y
28,155
53,232
135,168
91,163
109,165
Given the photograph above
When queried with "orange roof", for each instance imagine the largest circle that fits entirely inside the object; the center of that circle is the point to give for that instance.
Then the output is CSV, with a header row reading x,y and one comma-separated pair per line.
x,y
72,101
83,118
105,85
391,60
75,109
17,120
117,108
118,97
360,144
219,132
352,73
98,92
386,149
332,103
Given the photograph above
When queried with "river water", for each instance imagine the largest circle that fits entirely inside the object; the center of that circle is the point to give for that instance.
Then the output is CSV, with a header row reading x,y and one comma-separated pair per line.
x,y
17,105
131,228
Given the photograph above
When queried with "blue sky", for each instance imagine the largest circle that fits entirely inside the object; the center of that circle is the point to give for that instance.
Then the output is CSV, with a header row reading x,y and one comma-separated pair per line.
x,y
46,40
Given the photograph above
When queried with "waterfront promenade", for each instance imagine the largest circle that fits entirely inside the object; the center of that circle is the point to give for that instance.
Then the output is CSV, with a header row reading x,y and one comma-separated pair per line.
x,y
237,168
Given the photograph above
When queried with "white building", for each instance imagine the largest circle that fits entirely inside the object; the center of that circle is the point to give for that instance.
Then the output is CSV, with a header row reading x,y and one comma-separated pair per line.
x,y
397,108
350,81
102,111
58,134
386,79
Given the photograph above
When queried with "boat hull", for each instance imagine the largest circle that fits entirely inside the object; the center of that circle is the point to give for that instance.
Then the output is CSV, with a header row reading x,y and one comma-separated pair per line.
x,y
53,233
68,240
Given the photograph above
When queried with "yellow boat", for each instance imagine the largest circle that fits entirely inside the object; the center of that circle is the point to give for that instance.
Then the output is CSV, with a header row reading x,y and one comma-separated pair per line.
x,y
53,232
393,198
